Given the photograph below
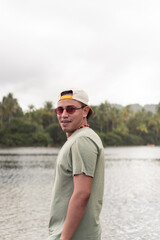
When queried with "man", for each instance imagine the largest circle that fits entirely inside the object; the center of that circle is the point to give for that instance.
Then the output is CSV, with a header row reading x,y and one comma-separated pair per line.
x,y
79,180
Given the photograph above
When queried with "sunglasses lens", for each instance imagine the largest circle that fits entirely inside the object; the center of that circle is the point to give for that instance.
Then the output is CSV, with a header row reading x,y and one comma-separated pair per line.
x,y
59,110
70,109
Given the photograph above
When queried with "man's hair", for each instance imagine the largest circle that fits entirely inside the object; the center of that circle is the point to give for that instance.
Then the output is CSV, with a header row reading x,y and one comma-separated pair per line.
x,y
66,92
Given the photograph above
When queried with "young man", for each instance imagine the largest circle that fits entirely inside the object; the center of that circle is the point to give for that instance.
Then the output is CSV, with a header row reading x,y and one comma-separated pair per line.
x,y
79,180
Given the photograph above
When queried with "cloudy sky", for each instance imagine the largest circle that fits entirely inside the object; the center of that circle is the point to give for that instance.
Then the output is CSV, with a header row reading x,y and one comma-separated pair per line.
x,y
111,49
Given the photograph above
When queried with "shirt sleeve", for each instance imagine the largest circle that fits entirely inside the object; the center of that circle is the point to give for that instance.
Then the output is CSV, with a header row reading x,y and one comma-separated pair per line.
x,y
84,156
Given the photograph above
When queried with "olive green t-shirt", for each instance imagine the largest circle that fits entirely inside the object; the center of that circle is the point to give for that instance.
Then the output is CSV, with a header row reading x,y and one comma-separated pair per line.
x,y
82,153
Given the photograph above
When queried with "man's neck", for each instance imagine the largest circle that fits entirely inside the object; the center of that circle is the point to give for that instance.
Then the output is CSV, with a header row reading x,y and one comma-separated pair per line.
x,y
68,134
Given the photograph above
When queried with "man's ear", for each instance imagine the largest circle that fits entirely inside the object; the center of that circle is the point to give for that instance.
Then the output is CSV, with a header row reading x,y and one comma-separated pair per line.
x,y
86,111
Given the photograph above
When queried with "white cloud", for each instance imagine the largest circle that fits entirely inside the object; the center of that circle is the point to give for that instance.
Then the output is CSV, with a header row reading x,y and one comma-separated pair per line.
x,y
109,48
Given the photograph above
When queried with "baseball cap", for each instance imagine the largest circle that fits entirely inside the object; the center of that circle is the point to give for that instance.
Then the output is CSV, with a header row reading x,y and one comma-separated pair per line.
x,y
78,95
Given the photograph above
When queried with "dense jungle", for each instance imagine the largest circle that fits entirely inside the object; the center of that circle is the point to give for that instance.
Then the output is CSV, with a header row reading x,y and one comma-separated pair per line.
x,y
39,127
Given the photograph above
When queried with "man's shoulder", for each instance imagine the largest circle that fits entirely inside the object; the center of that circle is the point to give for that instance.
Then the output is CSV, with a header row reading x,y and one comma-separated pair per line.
x,y
90,135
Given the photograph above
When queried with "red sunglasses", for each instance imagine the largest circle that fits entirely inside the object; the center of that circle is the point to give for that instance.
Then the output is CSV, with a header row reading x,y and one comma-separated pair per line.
x,y
69,109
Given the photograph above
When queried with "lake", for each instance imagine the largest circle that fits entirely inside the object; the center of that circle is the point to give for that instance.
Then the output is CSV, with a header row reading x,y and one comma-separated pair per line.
x,y
131,209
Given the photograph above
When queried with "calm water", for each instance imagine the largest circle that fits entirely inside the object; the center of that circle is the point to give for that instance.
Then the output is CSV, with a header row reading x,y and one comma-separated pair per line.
x,y
131,209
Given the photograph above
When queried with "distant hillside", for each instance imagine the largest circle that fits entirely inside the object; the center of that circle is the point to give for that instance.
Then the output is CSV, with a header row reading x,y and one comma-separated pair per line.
x,y
137,107
151,107
147,107
117,106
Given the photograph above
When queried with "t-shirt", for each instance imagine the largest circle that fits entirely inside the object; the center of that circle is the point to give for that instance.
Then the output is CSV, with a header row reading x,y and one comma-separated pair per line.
x,y
82,153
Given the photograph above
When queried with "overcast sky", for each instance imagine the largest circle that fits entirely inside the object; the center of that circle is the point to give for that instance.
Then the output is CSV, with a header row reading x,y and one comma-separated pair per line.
x,y
111,49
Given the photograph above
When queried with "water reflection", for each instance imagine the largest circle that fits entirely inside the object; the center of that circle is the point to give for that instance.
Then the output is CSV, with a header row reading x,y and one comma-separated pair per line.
x,y
28,157
10,161
131,209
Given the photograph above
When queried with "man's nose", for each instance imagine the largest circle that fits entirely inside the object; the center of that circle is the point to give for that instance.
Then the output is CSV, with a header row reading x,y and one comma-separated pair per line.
x,y
65,113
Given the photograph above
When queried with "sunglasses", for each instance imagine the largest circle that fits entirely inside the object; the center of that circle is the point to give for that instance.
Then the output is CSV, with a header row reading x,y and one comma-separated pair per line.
x,y
69,109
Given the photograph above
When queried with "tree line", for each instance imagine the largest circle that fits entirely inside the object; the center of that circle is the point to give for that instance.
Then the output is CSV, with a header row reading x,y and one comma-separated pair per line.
x,y
39,127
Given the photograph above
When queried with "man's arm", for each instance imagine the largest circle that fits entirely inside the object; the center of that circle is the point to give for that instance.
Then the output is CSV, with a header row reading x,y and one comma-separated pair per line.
x,y
77,205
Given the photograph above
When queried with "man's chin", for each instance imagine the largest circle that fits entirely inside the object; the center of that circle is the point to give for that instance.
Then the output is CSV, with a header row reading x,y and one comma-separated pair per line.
x,y
67,130
64,129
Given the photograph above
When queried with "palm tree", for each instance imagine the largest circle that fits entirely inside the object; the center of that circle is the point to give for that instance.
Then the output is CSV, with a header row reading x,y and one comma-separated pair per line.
x,y
127,113
1,113
102,116
48,106
158,108
115,117
31,108
8,107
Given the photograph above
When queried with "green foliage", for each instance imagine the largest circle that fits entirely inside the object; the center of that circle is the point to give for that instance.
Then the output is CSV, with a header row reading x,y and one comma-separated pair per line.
x,y
43,116
110,139
40,138
120,139
19,132
57,135
39,127
129,139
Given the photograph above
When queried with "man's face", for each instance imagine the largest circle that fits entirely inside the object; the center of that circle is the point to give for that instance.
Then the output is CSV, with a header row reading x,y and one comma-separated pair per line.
x,y
71,122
